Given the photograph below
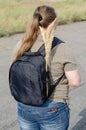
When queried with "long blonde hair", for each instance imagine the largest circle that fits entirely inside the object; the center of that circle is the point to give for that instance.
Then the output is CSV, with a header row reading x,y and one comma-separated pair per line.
x,y
43,16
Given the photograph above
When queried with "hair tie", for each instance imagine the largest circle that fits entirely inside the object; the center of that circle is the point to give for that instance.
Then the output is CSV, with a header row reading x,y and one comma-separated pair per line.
x,y
38,15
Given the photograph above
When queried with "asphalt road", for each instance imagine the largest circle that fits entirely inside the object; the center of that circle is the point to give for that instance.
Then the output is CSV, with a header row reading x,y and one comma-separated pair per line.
x,y
75,36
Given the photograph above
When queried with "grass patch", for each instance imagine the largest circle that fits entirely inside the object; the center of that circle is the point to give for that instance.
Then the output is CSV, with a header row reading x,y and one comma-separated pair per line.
x,y
15,15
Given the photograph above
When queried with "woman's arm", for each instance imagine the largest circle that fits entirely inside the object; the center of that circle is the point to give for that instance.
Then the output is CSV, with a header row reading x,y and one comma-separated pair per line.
x,y
73,78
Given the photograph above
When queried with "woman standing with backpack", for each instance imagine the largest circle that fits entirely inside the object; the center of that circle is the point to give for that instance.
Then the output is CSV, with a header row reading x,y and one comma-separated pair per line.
x,y
54,113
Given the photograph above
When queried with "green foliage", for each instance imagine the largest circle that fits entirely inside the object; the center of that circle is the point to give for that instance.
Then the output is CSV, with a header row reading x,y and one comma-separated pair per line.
x,y
15,14
76,1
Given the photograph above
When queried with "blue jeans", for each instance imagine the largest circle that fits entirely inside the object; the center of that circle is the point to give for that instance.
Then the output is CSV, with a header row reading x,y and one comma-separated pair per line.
x,y
48,116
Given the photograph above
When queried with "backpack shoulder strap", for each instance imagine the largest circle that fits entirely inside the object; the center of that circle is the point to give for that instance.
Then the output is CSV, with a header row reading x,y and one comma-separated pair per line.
x,y
55,42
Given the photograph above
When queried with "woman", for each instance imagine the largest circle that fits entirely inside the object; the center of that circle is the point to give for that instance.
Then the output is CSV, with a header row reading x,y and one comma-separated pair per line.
x,y
54,113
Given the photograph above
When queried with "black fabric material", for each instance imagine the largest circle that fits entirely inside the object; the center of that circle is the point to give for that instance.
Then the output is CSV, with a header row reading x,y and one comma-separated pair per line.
x,y
27,77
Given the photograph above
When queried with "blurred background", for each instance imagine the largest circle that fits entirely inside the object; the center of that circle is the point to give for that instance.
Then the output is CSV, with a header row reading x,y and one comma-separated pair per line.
x,y
15,14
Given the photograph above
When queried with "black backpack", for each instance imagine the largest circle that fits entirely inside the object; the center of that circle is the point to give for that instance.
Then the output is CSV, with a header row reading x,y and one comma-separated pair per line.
x,y
28,80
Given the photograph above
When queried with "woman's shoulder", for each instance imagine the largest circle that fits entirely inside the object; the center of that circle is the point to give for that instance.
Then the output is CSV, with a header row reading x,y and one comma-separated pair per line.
x,y
63,52
17,46
61,48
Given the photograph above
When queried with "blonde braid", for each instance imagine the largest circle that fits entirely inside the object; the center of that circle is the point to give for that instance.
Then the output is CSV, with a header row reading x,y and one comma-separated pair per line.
x,y
48,38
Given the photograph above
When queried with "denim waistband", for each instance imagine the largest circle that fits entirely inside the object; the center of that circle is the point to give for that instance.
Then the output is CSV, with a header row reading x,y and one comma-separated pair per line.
x,y
48,104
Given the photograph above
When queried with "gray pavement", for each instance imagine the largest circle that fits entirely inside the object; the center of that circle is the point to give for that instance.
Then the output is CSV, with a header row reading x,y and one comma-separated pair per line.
x,y
75,37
